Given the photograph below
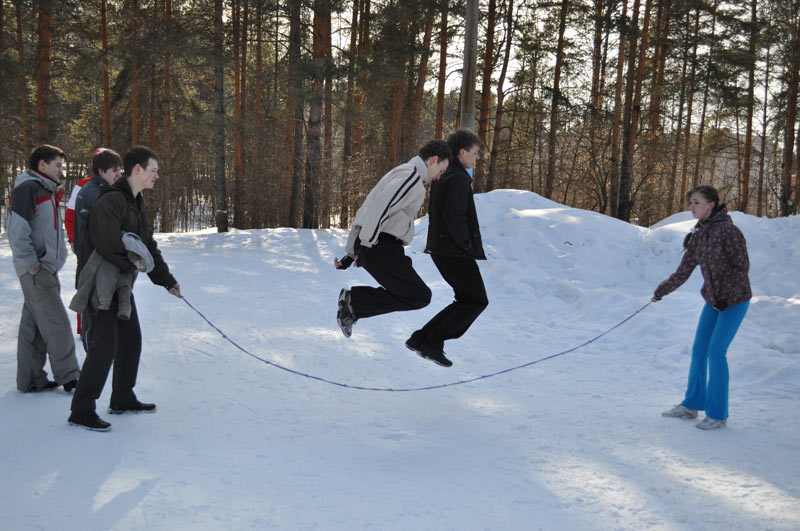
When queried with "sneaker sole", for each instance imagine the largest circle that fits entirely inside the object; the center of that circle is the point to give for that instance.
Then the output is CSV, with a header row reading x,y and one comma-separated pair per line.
x,y
437,362
131,411
679,416
701,426
347,329
88,427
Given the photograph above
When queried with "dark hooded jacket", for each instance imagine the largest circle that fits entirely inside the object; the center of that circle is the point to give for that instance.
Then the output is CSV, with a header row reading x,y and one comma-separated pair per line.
x,y
114,213
719,247
453,228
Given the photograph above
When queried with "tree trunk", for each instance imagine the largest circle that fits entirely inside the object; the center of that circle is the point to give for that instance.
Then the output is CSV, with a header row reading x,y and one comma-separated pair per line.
x,y
313,136
2,135
256,185
106,90
439,126
221,197
23,91
706,89
153,90
166,156
398,96
616,124
327,120
744,190
786,199
349,119
466,114
551,149
498,121
486,91
628,127
689,105
294,118
364,47
43,60
422,76
135,74
764,122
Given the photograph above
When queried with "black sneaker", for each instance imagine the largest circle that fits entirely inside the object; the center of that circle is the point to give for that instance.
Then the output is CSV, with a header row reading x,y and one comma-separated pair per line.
x,y
134,407
89,422
49,386
435,355
71,385
413,344
344,314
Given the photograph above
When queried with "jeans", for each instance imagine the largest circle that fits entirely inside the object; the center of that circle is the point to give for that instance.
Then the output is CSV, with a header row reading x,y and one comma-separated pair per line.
x,y
707,389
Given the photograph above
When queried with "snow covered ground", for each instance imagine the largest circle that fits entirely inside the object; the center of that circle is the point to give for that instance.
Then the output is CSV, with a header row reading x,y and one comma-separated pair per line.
x,y
575,442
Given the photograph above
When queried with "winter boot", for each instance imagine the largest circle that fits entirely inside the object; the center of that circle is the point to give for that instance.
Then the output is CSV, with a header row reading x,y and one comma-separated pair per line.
x,y
344,314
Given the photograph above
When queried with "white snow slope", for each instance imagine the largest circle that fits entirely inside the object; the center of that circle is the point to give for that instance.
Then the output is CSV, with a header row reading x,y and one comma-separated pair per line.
x,y
574,442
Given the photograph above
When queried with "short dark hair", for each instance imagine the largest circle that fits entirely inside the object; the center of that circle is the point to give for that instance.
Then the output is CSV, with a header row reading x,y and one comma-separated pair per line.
x,y
435,148
462,139
137,155
709,193
45,152
106,160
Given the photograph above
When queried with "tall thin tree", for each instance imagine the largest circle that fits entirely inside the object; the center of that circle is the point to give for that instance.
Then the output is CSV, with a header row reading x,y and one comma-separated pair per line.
x,y
467,103
106,90
135,73
43,64
744,187
23,90
439,125
498,121
221,197
555,101
787,202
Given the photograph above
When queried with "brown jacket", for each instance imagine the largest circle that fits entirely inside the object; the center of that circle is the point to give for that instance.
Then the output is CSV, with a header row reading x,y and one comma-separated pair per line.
x,y
721,251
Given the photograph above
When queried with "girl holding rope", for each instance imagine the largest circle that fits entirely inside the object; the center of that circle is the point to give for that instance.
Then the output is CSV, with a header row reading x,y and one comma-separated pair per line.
x,y
719,248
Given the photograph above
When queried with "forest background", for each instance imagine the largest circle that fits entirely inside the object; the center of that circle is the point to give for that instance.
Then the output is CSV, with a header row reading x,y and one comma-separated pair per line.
x,y
285,113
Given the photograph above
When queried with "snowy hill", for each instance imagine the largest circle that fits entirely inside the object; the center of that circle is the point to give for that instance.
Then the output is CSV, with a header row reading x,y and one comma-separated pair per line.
x,y
575,442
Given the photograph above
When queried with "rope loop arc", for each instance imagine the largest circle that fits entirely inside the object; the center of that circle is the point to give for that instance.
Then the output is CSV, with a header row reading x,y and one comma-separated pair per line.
x,y
409,389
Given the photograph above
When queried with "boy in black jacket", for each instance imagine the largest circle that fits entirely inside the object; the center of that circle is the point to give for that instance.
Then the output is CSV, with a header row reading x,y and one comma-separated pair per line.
x,y
454,243
119,208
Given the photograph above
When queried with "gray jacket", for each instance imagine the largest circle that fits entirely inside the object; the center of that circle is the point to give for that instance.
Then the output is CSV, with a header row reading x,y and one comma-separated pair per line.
x,y
100,280
35,231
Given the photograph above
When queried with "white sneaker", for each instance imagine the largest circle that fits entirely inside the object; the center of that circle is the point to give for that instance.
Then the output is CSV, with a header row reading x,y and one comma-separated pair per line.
x,y
680,412
711,424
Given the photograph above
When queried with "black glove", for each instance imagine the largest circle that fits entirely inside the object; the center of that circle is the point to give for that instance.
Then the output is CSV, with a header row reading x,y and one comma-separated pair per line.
x,y
345,262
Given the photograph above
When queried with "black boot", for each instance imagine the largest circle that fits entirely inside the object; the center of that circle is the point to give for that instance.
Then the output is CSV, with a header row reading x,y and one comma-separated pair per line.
x,y
89,422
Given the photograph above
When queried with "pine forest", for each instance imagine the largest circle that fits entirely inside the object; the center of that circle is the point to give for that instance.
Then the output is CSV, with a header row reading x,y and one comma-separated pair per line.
x,y
268,113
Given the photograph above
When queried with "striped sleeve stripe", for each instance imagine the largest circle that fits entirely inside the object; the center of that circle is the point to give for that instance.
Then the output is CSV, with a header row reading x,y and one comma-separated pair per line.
x,y
401,192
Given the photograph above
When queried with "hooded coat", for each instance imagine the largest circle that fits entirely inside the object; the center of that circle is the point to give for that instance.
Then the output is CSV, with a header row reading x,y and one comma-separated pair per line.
x,y
114,213
719,248
35,231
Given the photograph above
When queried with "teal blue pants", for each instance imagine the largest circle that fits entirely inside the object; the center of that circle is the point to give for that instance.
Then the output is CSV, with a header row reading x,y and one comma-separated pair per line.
x,y
708,373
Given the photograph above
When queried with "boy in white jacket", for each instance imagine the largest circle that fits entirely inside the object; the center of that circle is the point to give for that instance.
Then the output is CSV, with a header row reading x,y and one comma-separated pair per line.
x,y
383,225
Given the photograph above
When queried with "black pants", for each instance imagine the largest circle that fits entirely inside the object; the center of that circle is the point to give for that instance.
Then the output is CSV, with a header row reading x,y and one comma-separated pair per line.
x,y
465,278
402,289
110,340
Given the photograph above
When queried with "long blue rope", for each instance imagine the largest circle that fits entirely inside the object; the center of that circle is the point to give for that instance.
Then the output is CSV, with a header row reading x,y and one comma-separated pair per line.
x,y
409,389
